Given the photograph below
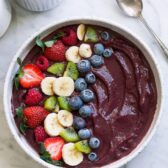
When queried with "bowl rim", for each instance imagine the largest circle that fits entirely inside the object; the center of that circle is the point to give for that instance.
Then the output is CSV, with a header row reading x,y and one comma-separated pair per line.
x,y
68,21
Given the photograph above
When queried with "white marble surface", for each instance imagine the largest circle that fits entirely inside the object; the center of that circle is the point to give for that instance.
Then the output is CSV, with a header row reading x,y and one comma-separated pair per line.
x,y
25,23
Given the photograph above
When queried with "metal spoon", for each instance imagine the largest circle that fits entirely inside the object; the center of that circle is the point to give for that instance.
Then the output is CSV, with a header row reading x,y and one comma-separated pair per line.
x,y
133,8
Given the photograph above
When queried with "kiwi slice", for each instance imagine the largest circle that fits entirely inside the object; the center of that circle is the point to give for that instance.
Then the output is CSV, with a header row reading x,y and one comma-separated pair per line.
x,y
71,71
83,146
69,135
63,103
91,35
51,104
57,69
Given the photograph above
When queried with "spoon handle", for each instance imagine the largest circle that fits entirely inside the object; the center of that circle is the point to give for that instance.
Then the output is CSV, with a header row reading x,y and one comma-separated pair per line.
x,y
161,44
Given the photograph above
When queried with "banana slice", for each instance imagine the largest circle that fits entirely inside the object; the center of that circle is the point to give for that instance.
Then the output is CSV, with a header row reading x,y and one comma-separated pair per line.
x,y
81,32
63,86
85,50
71,155
65,118
47,85
52,125
72,54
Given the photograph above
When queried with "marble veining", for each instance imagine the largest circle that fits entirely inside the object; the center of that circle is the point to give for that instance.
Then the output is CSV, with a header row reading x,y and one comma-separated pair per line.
x,y
24,23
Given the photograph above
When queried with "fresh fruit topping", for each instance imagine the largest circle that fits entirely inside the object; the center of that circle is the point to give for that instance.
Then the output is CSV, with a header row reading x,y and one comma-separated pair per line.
x,y
105,36
47,85
98,49
75,103
94,143
71,71
81,32
34,115
84,66
51,104
97,61
70,38
90,78
71,155
63,86
65,118
54,147
80,84
85,50
69,135
45,155
79,123
56,69
91,35
108,52
33,97
85,111
40,134
31,76
92,156
56,52
52,125
84,133
42,63
63,103
83,146
72,54
87,95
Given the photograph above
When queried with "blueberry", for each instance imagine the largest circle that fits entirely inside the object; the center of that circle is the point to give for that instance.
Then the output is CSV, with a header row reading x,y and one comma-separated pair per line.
x,y
80,84
105,36
84,66
98,48
87,95
85,111
94,142
90,78
97,61
108,52
92,156
75,103
79,123
84,133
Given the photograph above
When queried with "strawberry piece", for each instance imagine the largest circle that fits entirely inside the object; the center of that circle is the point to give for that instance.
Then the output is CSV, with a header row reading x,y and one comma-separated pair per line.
x,y
34,115
32,76
42,63
70,38
56,52
40,134
33,97
54,147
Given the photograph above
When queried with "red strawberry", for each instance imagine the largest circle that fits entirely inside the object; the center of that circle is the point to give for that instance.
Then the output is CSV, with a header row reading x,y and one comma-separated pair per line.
x,y
33,97
34,115
54,147
56,52
70,38
42,63
40,134
32,76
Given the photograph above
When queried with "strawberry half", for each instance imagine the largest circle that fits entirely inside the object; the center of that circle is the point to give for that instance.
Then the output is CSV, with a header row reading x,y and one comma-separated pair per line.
x,y
34,115
31,77
56,52
54,147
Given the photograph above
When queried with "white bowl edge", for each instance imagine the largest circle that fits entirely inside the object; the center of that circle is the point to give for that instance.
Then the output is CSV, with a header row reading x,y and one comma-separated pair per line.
x,y
46,30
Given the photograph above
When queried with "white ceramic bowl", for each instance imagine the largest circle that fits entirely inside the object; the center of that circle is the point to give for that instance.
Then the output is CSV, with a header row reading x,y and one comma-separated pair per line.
x,y
47,30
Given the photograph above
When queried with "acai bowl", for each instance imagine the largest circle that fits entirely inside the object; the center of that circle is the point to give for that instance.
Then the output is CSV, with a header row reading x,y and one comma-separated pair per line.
x,y
88,94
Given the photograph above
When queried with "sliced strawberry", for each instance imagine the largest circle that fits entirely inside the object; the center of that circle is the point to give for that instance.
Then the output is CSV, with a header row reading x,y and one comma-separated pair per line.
x,y
54,147
32,76
34,115
56,52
